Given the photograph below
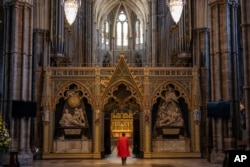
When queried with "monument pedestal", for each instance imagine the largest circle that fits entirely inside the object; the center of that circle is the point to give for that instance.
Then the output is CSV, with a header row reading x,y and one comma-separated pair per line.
x,y
171,145
72,146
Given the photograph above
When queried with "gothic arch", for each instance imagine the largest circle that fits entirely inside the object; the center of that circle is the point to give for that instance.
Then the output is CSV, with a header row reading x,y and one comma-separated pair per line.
x,y
109,92
60,93
184,93
184,102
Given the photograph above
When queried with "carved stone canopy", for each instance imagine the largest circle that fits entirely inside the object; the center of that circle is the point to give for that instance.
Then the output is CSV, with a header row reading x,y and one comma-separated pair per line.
x,y
121,101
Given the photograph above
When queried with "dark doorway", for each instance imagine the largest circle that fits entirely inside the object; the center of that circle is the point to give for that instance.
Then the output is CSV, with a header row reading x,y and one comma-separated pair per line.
x,y
107,136
136,137
121,115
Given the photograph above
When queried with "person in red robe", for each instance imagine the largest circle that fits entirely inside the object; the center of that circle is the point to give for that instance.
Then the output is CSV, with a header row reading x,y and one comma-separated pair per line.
x,y
123,148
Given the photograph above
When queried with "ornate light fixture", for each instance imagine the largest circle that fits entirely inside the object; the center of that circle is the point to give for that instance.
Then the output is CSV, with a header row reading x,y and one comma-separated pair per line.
x,y
70,9
176,8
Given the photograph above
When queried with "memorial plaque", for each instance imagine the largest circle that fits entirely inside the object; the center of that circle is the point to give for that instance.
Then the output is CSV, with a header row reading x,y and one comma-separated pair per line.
x,y
72,131
171,131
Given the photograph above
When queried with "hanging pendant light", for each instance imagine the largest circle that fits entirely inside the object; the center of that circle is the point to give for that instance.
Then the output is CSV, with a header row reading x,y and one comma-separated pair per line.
x,y
176,8
70,9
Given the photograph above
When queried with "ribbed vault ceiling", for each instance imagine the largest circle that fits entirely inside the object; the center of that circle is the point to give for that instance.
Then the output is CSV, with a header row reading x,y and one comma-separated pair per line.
x,y
103,7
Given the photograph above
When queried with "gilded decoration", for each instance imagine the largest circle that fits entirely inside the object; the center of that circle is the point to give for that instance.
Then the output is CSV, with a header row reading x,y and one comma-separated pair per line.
x,y
160,100
182,91
65,87
121,74
74,101
72,130
122,99
121,123
72,120
169,118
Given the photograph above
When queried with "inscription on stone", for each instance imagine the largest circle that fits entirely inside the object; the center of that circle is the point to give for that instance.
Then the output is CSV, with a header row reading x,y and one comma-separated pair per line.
x,y
72,131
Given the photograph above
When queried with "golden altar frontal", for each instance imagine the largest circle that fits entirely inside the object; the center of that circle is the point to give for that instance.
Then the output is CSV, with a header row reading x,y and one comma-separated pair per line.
x,y
121,123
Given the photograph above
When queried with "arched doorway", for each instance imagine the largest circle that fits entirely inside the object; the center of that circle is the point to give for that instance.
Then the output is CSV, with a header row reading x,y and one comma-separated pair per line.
x,y
121,115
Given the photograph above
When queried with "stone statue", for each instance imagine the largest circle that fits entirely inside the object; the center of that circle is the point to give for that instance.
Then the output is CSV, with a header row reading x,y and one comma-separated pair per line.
x,y
138,62
106,61
66,118
169,113
76,119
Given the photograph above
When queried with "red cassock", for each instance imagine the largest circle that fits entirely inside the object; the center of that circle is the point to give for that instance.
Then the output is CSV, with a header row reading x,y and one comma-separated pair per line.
x,y
123,147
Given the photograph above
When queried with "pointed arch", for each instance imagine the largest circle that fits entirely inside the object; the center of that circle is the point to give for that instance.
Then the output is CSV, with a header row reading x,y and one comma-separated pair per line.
x,y
109,92
103,7
60,93
184,93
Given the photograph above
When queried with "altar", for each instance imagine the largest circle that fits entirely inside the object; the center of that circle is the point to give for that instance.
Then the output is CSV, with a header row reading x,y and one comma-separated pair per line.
x,y
121,123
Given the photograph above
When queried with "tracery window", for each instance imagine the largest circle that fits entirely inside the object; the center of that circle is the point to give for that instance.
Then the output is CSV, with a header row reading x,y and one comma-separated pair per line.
x,y
122,31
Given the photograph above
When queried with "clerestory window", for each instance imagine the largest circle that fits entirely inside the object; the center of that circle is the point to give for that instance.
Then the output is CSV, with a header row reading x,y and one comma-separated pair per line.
x,y
105,36
138,35
122,31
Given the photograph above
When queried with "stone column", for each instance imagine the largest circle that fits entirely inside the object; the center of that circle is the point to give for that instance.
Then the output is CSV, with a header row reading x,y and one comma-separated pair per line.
x,y
97,119
88,31
45,137
222,70
147,116
153,32
97,134
40,62
234,132
147,133
95,46
245,26
46,118
225,72
196,110
18,73
216,8
202,61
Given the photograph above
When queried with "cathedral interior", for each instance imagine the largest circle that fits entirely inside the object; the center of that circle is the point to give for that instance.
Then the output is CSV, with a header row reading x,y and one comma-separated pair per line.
x,y
176,88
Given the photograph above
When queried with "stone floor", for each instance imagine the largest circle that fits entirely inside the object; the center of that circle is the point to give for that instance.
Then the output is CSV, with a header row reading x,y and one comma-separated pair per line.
x,y
134,163
114,161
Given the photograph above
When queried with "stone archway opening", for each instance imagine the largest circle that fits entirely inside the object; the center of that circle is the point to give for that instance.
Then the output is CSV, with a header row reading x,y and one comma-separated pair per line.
x,y
121,115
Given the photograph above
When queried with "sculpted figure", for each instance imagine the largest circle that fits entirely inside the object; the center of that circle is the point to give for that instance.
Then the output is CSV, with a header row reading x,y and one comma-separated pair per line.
x,y
78,118
169,113
106,61
66,118
71,120
138,61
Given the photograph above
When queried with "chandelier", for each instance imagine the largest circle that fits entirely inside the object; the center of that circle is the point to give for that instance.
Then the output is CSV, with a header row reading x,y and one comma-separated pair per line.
x,y
176,7
70,9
